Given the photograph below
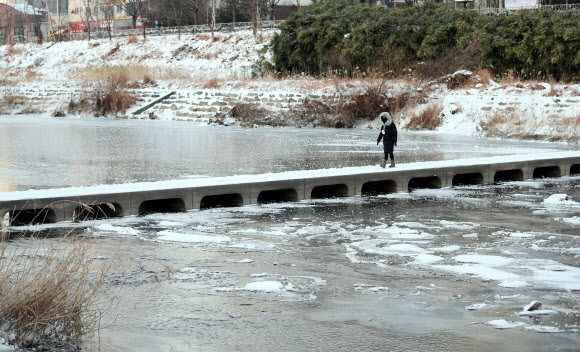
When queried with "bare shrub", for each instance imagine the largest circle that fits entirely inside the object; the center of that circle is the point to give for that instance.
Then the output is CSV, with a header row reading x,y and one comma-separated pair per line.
x,y
248,114
365,106
51,293
399,102
133,39
451,61
213,83
113,101
203,36
428,119
311,112
112,51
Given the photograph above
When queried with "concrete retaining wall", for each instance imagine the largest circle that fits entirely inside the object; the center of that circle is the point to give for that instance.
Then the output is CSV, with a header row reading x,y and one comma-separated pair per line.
x,y
187,105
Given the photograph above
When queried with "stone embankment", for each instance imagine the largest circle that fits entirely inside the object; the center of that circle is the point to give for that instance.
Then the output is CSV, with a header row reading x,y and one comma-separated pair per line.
x,y
186,105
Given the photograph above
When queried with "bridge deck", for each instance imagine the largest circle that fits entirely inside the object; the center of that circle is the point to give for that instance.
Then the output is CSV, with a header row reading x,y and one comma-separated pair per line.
x,y
52,205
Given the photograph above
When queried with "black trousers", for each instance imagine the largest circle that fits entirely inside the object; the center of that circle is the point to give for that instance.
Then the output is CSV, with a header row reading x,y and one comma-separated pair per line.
x,y
389,147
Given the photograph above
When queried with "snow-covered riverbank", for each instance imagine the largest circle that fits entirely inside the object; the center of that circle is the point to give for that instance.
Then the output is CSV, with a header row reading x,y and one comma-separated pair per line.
x,y
223,65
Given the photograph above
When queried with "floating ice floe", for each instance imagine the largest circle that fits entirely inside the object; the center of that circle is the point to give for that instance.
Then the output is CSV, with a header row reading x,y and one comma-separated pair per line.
x,y
170,236
534,313
504,324
264,286
575,220
116,229
169,223
477,306
544,329
370,288
559,199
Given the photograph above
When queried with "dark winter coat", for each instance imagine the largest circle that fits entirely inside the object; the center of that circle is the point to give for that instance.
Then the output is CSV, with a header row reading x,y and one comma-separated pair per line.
x,y
389,137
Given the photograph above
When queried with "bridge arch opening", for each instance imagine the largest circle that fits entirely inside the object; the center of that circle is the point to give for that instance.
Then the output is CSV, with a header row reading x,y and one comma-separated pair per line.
x,y
475,178
508,175
547,171
32,217
329,191
430,182
372,188
575,169
278,195
222,200
97,211
170,205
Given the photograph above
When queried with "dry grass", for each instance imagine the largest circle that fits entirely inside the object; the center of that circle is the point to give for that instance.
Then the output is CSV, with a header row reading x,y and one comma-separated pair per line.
x,y
106,73
428,119
112,51
213,83
554,92
52,295
133,39
572,121
510,78
485,75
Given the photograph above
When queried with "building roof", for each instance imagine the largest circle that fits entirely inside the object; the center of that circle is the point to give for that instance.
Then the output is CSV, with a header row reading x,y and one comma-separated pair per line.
x,y
27,9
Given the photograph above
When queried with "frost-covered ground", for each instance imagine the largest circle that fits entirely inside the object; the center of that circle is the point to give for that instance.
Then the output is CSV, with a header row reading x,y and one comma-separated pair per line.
x,y
446,269
505,109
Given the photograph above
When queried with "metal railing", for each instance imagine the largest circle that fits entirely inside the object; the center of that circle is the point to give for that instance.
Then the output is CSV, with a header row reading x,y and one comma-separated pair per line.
x,y
504,11
192,29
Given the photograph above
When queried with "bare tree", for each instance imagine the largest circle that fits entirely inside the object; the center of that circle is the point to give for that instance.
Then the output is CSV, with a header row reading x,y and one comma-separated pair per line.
x,y
86,14
174,12
133,8
270,5
108,18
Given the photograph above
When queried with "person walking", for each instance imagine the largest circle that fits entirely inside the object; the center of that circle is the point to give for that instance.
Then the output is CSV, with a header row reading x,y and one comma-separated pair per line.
x,y
389,136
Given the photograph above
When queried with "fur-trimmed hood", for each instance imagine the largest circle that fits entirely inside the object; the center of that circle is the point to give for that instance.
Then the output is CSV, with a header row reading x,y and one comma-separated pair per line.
x,y
386,118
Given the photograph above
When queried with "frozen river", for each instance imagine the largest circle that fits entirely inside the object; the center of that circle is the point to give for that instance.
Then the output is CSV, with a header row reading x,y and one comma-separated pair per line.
x,y
440,270
51,152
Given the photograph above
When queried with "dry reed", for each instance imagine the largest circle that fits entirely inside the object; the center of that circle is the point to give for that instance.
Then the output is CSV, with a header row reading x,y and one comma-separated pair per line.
x,y
51,293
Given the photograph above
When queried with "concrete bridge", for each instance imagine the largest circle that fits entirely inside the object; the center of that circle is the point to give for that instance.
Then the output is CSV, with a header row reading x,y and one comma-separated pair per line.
x,y
54,205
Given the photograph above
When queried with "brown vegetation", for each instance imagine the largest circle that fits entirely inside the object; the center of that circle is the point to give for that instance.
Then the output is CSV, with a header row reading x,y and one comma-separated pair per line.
x,y
213,83
112,51
51,293
428,119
